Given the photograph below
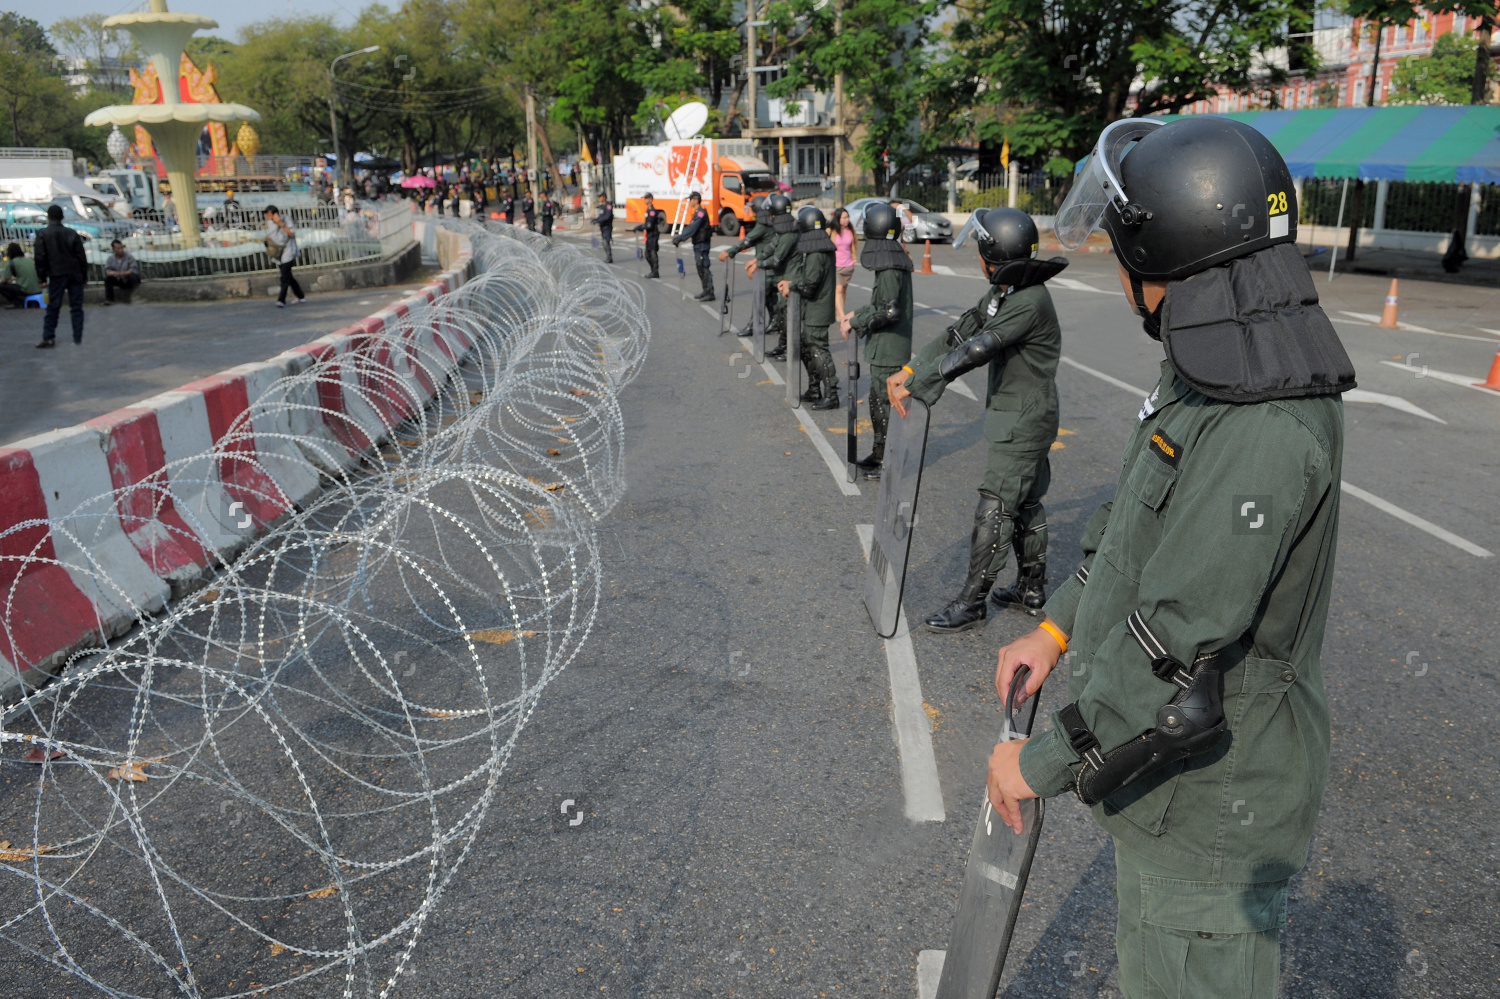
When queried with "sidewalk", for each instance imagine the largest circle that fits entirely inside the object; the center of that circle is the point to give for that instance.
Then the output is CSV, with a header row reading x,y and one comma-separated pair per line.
x,y
1409,264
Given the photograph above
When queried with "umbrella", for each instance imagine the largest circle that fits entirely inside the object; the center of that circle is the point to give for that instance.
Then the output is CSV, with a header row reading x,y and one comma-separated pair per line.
x,y
417,180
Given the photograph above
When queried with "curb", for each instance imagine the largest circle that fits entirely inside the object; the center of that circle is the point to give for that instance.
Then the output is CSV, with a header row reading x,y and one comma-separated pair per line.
x,y
103,522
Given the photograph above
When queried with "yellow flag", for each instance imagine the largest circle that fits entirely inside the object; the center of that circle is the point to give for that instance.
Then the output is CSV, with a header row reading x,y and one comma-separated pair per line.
x,y
585,155
1005,155
781,149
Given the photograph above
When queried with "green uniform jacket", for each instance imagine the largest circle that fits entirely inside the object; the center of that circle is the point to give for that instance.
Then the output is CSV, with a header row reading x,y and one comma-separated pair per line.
x,y
889,343
1022,396
758,237
1221,535
812,276
780,248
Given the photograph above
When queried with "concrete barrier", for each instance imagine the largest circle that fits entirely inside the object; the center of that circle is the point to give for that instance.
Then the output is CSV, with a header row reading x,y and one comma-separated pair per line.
x,y
104,522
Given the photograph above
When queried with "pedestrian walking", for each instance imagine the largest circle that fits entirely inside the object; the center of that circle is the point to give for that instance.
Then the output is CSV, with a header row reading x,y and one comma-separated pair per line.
x,y
841,231
18,280
122,271
281,246
1196,621
64,266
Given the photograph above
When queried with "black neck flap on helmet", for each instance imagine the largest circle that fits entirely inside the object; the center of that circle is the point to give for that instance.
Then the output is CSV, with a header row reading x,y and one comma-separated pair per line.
x,y
883,250
1018,274
815,241
784,223
1252,330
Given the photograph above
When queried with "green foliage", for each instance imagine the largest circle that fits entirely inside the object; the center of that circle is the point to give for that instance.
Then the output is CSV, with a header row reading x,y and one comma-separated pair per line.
x,y
1049,74
1444,76
39,108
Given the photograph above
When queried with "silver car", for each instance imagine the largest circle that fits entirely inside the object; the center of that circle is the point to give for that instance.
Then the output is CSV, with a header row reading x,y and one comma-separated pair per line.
x,y
918,223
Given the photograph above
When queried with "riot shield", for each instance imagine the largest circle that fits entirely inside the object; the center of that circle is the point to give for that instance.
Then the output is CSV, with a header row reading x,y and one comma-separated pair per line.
x,y
796,383
994,881
851,393
895,516
758,314
726,313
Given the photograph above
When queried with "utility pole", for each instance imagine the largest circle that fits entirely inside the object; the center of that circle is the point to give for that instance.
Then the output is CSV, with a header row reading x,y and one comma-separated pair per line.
x,y
531,143
333,118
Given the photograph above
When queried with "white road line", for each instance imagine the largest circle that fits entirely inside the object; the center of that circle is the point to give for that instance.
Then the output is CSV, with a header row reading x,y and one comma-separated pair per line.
x,y
962,389
1409,328
1105,378
1486,329
1073,284
1390,401
944,270
835,464
929,972
919,776
1467,381
1422,525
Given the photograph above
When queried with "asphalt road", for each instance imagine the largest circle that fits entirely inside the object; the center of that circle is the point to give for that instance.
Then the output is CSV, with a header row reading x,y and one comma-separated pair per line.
x,y
728,728
132,352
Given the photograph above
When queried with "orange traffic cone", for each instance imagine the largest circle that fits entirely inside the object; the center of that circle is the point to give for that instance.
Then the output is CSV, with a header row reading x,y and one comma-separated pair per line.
x,y
1388,314
1494,379
927,259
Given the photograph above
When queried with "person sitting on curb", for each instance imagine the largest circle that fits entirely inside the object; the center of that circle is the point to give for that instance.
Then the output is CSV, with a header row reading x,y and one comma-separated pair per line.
x,y
18,280
121,270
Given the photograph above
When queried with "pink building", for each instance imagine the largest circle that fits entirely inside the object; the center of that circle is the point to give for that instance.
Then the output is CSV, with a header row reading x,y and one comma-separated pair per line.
x,y
1345,49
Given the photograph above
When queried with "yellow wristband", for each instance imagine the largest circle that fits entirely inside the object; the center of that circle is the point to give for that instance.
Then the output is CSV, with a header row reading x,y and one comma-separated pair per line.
x,y
907,369
1056,633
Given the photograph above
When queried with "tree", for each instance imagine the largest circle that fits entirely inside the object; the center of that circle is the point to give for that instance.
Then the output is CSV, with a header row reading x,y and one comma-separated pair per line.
x,y
1445,76
102,54
39,108
1049,74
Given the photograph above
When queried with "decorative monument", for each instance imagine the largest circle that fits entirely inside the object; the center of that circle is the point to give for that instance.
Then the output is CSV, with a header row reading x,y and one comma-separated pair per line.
x,y
172,123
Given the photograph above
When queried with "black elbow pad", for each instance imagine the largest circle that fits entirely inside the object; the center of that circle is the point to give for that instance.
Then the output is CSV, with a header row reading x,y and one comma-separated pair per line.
x,y
973,353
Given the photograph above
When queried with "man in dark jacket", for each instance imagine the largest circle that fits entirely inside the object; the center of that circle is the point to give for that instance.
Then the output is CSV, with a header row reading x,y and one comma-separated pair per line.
x,y
811,276
507,205
700,230
550,209
758,239
886,322
605,220
651,225
528,209
62,264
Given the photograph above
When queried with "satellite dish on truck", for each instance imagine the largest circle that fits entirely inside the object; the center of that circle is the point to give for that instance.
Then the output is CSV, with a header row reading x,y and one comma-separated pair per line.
x,y
687,121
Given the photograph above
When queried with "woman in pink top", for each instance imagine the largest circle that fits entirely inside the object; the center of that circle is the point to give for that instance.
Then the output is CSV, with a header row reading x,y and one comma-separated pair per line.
x,y
841,230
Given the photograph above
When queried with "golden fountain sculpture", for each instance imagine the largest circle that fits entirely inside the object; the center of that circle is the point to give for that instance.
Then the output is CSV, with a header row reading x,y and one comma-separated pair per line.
x,y
173,124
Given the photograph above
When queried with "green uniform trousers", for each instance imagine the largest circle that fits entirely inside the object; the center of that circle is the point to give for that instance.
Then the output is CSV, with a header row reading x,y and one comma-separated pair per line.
x,y
1020,479
816,356
775,308
1179,939
880,402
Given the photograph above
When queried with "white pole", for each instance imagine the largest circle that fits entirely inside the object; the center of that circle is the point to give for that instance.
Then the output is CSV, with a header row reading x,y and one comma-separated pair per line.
x,y
1469,230
1014,182
1333,251
1382,191
952,186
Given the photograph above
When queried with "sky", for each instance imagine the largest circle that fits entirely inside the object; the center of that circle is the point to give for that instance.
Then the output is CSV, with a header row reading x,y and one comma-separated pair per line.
x,y
231,16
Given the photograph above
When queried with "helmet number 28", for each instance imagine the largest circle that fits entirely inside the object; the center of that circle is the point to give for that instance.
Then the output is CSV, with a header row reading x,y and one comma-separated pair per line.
x,y
1276,203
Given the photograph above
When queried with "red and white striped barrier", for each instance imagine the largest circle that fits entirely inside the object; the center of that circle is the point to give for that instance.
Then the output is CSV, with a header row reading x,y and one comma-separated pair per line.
x,y
104,522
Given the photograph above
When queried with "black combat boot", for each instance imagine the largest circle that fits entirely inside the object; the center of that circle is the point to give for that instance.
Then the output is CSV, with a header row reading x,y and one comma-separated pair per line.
x,y
830,399
967,610
814,391
779,353
1028,593
873,459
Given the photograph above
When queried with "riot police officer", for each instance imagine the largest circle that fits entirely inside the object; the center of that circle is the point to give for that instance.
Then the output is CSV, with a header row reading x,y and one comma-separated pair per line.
x,y
1196,621
651,225
758,237
605,220
1014,331
507,205
811,276
886,322
528,209
550,209
700,231
783,243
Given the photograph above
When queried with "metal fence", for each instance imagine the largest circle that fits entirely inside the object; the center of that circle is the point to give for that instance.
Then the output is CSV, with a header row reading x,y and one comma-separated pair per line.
x,y
233,242
1409,206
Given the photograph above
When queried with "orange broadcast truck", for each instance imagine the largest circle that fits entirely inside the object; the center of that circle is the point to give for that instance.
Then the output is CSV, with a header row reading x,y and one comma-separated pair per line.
x,y
725,172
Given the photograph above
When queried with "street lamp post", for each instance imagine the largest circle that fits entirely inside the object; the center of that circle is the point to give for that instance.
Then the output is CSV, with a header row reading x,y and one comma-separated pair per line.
x,y
333,118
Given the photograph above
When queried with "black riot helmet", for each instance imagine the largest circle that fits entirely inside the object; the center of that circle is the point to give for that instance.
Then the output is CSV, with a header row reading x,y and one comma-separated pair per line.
x,y
811,218
1181,197
778,204
1003,234
882,222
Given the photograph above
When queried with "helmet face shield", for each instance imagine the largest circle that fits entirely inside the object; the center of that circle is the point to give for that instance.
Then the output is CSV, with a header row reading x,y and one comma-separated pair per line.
x,y
973,230
1099,183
